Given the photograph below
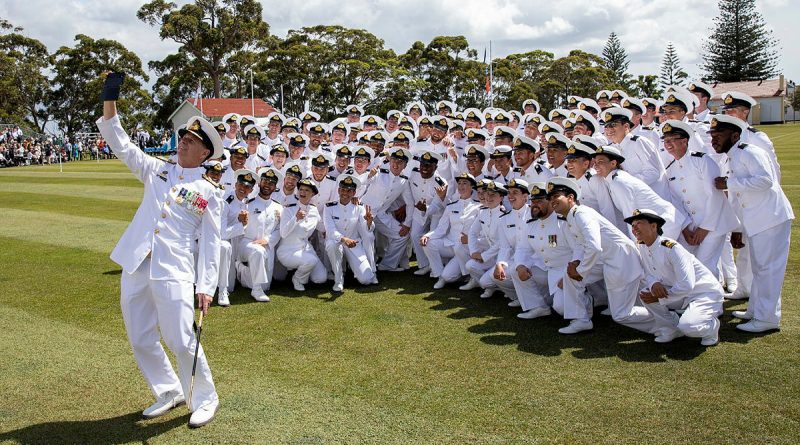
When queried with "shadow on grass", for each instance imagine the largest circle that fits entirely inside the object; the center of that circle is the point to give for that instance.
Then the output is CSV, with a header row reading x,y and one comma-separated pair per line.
x,y
500,326
113,272
121,429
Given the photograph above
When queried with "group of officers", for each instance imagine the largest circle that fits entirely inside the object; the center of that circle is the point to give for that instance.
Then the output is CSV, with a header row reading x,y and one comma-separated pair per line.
x,y
637,204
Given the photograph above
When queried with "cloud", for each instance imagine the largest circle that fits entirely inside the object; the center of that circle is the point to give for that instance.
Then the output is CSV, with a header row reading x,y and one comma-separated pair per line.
x,y
644,27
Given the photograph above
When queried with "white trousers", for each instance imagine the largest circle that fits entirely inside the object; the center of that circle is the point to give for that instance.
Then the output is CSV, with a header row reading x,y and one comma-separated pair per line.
x,y
727,266
260,262
698,320
532,293
507,285
227,271
416,233
769,253
447,262
396,245
156,309
356,259
709,251
623,296
306,262
477,270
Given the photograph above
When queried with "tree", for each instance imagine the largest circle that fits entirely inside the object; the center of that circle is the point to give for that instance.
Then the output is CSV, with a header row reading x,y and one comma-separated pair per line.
x,y
580,73
519,76
23,62
78,81
647,86
671,71
616,60
210,33
328,66
740,47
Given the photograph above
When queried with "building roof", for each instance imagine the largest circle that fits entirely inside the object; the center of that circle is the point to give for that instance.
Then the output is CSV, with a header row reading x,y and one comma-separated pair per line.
x,y
753,88
216,108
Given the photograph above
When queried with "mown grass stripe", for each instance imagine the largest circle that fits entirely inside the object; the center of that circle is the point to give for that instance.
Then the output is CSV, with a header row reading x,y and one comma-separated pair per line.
x,y
69,205
79,181
95,234
56,191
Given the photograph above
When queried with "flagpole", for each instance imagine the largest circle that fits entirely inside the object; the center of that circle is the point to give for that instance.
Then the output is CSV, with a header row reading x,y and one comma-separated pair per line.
x,y
491,77
252,98
200,89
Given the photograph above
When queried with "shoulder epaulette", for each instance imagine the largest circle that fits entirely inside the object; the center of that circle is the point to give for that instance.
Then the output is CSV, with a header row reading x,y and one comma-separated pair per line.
x,y
213,182
404,176
248,201
694,121
167,160
517,169
261,157
483,208
698,154
290,205
562,218
634,137
439,180
415,169
304,158
451,203
476,200
276,202
668,243
349,171
752,130
331,204
668,165
645,128
614,176
330,177
538,168
230,199
504,213
588,175
383,170
530,220
742,146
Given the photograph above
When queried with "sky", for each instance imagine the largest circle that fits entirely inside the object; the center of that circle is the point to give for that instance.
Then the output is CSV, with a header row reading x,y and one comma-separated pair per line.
x,y
513,26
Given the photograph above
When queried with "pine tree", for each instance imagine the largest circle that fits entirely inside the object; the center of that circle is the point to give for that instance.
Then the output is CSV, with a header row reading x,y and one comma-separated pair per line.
x,y
741,47
671,71
616,59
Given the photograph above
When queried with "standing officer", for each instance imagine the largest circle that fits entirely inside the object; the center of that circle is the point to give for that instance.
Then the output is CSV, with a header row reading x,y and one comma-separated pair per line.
x,y
427,190
674,280
766,215
161,276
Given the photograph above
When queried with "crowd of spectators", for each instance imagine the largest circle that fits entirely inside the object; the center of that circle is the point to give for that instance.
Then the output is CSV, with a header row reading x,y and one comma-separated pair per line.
x,y
17,148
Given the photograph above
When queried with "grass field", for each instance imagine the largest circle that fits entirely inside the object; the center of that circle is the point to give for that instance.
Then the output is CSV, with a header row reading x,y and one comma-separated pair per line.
x,y
393,363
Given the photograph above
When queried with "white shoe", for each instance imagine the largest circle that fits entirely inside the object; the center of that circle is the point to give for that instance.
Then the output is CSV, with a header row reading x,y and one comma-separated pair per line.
x,y
667,335
374,281
487,293
472,284
440,283
535,313
576,326
757,326
742,315
423,271
297,286
606,311
222,298
203,415
739,294
338,287
258,294
514,303
731,286
163,405
710,340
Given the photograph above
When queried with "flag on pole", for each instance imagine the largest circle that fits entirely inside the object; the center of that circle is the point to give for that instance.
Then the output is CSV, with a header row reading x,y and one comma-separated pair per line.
x,y
197,94
486,72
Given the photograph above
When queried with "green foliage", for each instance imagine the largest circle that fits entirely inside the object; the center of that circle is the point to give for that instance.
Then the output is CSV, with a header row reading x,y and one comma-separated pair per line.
x,y
646,86
616,60
78,80
671,71
741,46
25,87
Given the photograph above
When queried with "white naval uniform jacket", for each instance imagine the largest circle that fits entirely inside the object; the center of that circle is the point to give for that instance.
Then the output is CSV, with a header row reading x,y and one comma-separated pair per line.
x,y
231,226
484,235
754,190
595,194
595,241
419,189
327,192
456,219
535,172
264,218
630,193
383,189
691,181
544,244
512,227
759,139
180,206
643,162
346,221
294,233
683,275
